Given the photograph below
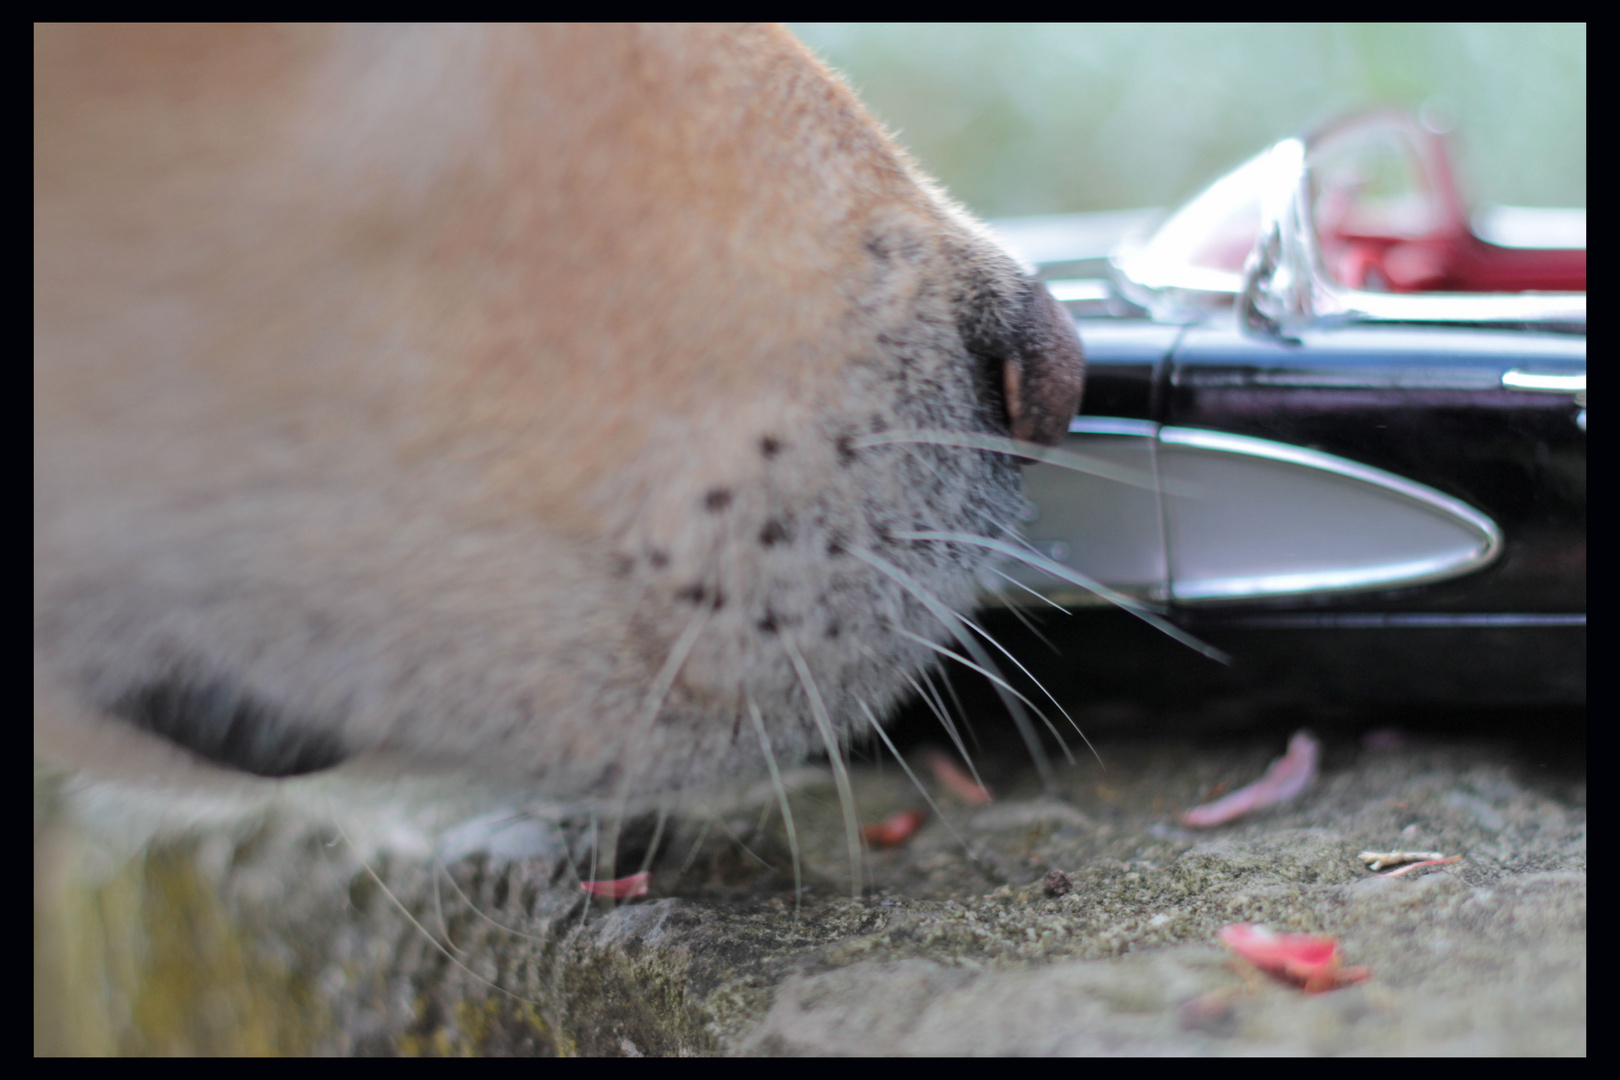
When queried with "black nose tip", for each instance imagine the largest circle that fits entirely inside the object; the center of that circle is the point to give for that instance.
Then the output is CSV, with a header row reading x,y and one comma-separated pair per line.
x,y
1043,369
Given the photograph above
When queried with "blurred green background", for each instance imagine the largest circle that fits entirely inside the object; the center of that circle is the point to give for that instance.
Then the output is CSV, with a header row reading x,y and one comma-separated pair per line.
x,y
1032,119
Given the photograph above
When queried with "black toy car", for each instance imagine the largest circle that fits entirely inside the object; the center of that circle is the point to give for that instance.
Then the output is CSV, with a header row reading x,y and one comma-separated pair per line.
x,y
1344,431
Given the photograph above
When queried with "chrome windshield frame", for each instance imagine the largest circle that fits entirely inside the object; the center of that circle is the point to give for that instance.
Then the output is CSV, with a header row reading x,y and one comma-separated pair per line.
x,y
1284,288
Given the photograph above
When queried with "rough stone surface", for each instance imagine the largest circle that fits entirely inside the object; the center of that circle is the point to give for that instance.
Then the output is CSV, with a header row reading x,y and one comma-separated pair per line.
x,y
954,947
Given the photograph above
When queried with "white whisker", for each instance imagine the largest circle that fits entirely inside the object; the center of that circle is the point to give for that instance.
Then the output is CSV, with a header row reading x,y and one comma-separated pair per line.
x,y
405,911
846,793
927,675
1029,626
735,839
1058,570
438,908
1031,677
596,848
953,624
781,797
921,790
997,444
936,704
994,677
476,910
658,834
639,737
697,845
1036,593
950,727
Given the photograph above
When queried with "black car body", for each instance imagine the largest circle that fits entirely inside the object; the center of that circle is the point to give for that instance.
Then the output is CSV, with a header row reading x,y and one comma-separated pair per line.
x,y
1343,430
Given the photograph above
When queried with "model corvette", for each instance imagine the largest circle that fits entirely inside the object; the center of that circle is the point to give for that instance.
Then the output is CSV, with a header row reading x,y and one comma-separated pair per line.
x,y
1336,429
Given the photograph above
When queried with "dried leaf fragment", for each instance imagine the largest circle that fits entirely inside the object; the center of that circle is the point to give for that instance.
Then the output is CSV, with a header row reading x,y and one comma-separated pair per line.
x,y
1378,860
1419,865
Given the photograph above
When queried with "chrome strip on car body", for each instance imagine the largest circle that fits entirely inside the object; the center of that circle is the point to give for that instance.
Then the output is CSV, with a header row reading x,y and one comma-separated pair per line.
x,y
1270,519
1240,518
1112,425
1519,379
1112,532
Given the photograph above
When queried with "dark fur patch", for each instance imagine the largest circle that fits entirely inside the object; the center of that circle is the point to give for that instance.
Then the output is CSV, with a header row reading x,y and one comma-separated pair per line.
x,y
697,593
887,244
716,500
775,532
230,726
770,446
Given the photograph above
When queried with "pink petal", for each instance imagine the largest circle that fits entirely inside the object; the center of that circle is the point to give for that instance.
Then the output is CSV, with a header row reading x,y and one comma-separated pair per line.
x,y
959,783
619,888
894,829
1285,779
1304,960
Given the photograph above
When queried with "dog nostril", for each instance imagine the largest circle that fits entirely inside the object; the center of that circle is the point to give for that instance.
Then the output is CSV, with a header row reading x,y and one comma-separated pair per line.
x,y
1028,350
1043,370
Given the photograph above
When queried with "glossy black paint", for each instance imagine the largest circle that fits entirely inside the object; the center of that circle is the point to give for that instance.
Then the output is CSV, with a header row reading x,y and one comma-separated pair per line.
x,y
1127,367
1425,403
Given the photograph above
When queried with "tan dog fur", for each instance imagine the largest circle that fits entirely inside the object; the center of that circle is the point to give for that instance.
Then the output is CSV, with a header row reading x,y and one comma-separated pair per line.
x,y
488,399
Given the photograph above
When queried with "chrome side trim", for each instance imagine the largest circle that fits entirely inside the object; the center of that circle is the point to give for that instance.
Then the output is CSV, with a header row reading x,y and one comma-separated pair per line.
x,y
1233,517
1518,379
1090,521
1405,620
1112,425
1079,290
1315,459
1320,523
1551,311
1532,227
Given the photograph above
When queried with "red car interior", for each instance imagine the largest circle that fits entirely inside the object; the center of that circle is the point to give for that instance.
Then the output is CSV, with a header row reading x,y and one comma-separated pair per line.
x,y
1457,261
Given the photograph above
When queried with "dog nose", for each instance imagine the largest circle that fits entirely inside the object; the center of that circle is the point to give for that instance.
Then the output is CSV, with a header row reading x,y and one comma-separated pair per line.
x,y
1043,369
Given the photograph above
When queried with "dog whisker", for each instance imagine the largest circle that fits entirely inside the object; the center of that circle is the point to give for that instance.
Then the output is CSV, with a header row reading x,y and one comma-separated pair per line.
x,y
1025,621
950,727
719,819
658,834
1074,577
781,798
846,793
1037,594
952,623
999,444
697,845
417,925
1030,675
654,701
478,911
994,677
921,790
